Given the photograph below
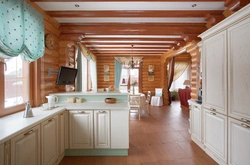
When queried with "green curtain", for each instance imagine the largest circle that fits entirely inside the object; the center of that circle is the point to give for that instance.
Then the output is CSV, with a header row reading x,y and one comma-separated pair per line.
x,y
21,30
118,72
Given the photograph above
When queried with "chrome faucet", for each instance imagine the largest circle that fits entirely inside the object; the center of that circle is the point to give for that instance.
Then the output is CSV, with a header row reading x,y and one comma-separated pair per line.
x,y
28,110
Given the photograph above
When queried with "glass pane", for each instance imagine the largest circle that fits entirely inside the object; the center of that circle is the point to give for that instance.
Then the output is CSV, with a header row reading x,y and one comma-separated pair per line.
x,y
16,82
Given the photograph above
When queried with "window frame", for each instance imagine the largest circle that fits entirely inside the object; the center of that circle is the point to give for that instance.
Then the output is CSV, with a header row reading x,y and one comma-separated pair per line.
x,y
20,107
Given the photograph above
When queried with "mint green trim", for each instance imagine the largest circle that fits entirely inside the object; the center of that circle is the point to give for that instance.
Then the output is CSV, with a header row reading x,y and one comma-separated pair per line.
x,y
96,152
123,98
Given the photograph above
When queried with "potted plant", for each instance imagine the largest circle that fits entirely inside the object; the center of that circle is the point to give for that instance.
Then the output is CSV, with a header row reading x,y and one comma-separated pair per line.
x,y
174,94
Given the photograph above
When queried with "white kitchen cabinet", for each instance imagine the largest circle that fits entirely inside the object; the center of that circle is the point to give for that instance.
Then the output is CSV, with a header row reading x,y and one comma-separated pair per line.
x,y
119,129
215,135
102,128
81,129
25,147
239,142
49,140
196,123
239,69
214,78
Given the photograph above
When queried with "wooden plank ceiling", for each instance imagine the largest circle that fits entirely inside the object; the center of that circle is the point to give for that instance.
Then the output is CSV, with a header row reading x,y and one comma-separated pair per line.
x,y
111,27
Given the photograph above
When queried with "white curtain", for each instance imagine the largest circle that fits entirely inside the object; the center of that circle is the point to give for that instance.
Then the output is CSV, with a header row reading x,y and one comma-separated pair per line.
x,y
93,73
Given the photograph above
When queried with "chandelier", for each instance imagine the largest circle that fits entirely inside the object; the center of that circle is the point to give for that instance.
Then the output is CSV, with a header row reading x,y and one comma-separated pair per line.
x,y
133,63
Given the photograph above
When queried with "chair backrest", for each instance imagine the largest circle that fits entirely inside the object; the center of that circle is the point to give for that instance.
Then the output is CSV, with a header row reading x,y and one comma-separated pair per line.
x,y
158,91
148,96
134,99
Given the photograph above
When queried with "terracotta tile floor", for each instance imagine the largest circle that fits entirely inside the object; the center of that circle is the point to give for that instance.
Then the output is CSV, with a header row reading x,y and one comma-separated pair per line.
x,y
160,138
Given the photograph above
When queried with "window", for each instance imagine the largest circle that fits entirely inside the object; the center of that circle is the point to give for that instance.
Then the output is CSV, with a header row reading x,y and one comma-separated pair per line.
x,y
15,85
133,75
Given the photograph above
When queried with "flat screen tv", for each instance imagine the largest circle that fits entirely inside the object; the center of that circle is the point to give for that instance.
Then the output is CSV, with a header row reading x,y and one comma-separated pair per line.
x,y
66,76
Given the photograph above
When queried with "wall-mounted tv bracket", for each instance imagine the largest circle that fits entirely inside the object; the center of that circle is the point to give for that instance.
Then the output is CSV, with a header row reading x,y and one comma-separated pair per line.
x,y
50,71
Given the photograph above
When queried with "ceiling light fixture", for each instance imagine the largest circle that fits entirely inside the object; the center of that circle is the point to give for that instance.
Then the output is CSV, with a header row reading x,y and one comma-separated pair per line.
x,y
132,64
194,5
76,5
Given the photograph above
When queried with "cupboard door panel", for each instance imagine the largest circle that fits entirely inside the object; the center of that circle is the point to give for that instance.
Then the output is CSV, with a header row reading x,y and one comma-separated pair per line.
x,y
25,148
49,141
239,143
214,73
215,133
239,69
196,122
81,129
102,129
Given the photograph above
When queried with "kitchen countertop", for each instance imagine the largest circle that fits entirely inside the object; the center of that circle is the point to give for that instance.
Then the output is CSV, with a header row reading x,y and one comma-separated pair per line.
x,y
12,125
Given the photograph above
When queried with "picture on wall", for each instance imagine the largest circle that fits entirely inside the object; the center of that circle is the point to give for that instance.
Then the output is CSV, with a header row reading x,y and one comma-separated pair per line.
x,y
106,72
150,72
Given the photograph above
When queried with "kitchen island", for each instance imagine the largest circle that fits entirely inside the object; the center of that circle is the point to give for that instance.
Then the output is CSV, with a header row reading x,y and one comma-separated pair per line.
x,y
91,127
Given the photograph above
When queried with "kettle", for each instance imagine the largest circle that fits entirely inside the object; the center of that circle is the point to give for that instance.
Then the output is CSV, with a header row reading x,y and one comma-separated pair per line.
x,y
52,100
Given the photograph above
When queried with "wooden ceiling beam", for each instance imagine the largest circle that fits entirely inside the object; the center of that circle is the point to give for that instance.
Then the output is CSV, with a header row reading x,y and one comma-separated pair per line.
x,y
120,0
139,29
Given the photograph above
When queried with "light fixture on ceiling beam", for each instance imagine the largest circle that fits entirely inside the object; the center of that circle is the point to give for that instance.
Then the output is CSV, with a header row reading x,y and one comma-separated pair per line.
x,y
132,63
81,37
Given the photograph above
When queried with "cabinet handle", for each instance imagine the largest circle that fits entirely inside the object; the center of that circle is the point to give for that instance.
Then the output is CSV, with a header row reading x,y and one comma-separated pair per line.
x,y
212,113
50,120
61,114
80,111
212,109
244,125
102,111
195,106
245,120
28,133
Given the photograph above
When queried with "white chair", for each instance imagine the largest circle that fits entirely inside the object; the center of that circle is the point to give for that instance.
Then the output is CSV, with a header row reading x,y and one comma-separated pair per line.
x,y
157,99
135,104
147,101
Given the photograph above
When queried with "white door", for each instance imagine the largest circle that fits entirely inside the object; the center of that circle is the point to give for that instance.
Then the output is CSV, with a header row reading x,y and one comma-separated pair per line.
x,y
119,129
25,147
215,134
49,140
196,122
214,78
239,70
239,142
81,129
102,128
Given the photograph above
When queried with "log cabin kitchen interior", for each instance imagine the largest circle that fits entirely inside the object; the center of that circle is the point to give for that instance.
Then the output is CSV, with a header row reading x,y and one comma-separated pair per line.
x,y
111,49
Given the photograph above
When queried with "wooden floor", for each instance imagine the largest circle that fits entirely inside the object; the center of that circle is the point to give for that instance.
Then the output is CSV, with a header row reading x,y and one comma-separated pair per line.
x,y
160,138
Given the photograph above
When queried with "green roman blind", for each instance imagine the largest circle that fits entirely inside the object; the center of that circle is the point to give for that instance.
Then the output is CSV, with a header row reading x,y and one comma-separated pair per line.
x,y
21,30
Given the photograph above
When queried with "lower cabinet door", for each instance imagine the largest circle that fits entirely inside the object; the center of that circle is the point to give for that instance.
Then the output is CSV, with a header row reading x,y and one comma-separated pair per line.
x,y
49,140
25,147
81,129
215,135
239,142
102,128
196,122
2,154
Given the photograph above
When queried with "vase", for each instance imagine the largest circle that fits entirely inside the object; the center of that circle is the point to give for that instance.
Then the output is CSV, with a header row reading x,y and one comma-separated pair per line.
x,y
133,90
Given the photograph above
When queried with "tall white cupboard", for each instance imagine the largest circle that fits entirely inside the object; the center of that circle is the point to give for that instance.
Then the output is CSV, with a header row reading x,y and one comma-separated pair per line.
x,y
225,52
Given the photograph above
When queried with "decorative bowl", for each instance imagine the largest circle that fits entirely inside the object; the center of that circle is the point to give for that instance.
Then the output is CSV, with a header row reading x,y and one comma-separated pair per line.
x,y
110,100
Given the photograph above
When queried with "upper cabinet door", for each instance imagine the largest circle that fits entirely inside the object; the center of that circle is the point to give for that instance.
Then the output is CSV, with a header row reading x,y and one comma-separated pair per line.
x,y
214,80
239,70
